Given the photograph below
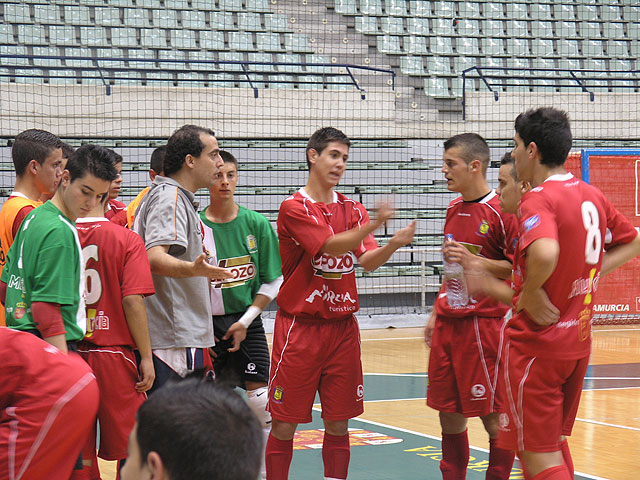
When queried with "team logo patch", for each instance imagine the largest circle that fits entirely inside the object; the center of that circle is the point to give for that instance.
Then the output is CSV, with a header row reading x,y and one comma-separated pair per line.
x,y
503,421
251,368
242,268
514,244
478,390
252,244
360,391
530,223
278,393
483,229
330,267
20,310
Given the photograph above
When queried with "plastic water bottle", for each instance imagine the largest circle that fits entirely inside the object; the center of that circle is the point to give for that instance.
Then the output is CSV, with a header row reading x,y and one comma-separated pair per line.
x,y
455,286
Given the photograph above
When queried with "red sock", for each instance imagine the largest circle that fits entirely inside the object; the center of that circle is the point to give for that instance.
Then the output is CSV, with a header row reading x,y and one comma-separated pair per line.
x,y
500,462
455,456
335,455
278,458
566,454
559,472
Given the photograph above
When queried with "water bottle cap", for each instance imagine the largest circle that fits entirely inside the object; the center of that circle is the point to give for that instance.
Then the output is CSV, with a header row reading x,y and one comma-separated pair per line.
x,y
449,237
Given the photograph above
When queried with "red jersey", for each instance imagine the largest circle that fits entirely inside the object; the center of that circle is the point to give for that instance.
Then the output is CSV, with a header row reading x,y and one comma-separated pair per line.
x,y
117,212
116,265
484,230
317,284
584,223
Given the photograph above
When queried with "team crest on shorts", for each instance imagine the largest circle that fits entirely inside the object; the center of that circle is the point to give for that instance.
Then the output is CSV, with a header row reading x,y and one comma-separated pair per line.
x,y
278,393
503,421
478,390
360,392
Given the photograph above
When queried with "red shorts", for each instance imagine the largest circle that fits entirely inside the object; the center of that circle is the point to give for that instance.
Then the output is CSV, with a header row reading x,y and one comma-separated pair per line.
x,y
462,375
46,422
310,356
116,370
542,396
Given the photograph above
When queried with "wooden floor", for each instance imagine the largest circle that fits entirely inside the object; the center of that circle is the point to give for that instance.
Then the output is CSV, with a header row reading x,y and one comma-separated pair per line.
x,y
606,438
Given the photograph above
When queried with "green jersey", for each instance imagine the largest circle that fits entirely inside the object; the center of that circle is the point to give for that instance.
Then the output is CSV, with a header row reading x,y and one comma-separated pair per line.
x,y
45,264
248,247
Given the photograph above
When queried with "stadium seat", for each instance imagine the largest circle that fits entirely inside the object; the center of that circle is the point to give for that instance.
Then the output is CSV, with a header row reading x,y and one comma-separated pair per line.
x,y
315,58
420,8
492,62
346,7
462,63
14,50
438,66
635,50
541,29
593,48
616,65
545,63
392,25
519,63
261,57
241,41
396,8
440,45
250,22
77,15
493,47
46,62
389,44
222,21
540,11
310,82
62,77
493,28
230,5
436,87
615,30
467,46
70,55
136,17
108,16
17,13
414,45
610,13
29,75
412,66
518,47
586,13
276,22
541,47
198,55
62,35
371,7
367,25
569,64
47,14
566,29
631,13
568,48
456,86
231,57
141,59
193,20
418,26
618,49
443,27
296,42
5,75
590,30
165,18
104,53
469,10
563,11
192,79
286,60
493,10
205,5
258,6
444,9
183,39
212,40
268,41
516,28
6,34
178,59
153,38
177,4
517,11
468,28
124,37
160,79
31,35
596,64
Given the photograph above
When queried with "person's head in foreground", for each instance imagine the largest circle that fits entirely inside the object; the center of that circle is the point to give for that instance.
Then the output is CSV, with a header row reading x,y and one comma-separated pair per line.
x,y
510,187
194,430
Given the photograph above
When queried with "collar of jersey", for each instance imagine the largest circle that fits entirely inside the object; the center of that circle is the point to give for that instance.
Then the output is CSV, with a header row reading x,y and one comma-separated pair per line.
x,y
559,177
304,193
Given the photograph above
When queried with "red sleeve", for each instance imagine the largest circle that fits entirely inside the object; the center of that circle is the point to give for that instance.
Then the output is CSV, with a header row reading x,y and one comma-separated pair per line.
x,y
136,274
537,219
3,292
619,228
300,220
48,318
119,218
510,235
360,217
20,216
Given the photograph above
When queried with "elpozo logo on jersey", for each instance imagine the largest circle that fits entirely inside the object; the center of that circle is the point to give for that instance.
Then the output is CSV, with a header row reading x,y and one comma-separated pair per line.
x,y
242,268
330,267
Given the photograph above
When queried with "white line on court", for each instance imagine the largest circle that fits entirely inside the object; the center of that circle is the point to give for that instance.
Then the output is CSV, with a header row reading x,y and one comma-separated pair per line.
x,y
432,437
424,375
608,424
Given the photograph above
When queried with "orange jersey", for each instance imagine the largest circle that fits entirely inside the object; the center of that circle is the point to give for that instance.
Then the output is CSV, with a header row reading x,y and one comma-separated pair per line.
x,y
14,204
133,206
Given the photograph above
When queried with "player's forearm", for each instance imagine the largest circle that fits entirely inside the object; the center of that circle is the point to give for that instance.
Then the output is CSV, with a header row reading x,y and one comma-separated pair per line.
x,y
162,263
619,255
344,242
499,290
376,258
498,268
136,316
542,258
261,301
58,341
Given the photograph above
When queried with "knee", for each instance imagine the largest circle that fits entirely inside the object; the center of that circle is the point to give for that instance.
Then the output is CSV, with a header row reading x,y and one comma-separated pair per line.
x,y
283,430
336,428
452,423
491,424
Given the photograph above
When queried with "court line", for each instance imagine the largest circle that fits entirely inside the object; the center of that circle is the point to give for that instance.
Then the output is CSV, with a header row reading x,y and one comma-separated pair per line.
x,y
433,437
424,375
595,422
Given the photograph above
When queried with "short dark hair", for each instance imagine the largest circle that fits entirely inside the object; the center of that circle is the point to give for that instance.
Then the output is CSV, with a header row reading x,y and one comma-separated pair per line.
x,y
227,157
200,431
184,141
507,159
157,159
323,137
92,159
473,147
30,145
67,150
550,129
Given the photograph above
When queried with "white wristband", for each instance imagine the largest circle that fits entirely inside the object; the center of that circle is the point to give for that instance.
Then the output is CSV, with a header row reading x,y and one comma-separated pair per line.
x,y
249,316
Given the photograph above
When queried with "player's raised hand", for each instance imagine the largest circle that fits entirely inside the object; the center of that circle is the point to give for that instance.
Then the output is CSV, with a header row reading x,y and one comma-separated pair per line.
x,y
384,212
202,268
239,332
148,374
538,306
404,236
